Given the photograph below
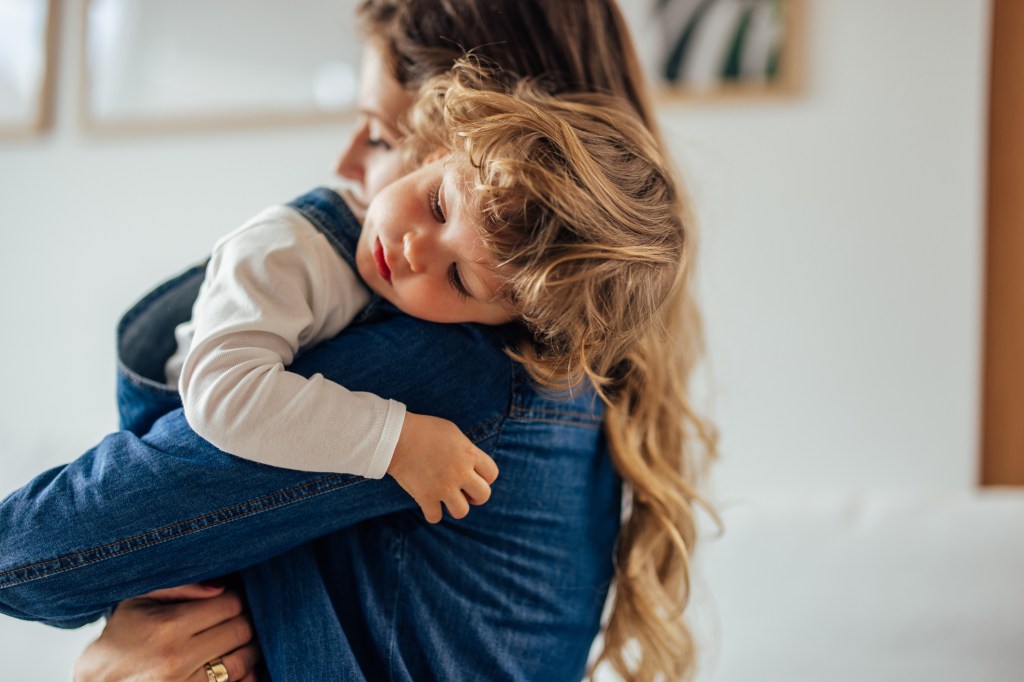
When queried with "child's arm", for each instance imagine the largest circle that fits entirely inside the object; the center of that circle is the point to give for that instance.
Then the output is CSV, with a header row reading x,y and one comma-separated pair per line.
x,y
272,287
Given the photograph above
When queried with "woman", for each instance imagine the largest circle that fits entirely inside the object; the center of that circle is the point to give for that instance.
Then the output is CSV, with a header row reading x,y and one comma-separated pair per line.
x,y
646,438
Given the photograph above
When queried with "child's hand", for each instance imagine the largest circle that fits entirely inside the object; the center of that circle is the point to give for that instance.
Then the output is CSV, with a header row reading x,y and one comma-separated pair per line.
x,y
435,462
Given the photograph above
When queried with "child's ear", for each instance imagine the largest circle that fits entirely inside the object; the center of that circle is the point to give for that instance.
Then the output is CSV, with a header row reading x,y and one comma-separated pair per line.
x,y
435,155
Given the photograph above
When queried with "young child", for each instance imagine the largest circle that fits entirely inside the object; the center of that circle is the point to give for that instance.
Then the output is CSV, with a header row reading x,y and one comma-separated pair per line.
x,y
449,242
276,285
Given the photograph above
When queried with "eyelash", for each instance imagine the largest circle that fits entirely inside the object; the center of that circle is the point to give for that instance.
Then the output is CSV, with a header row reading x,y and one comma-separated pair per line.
x,y
379,144
455,279
435,204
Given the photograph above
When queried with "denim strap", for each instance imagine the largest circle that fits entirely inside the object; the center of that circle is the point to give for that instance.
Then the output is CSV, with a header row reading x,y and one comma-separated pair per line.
x,y
329,214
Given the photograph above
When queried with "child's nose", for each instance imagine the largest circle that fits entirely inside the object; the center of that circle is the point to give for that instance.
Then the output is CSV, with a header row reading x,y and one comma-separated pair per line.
x,y
415,249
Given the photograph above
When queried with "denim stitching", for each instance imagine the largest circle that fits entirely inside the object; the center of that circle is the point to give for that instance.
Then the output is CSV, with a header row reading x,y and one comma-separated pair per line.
x,y
552,416
141,306
140,381
319,219
563,422
143,303
482,432
369,308
400,561
526,412
519,409
324,221
555,412
281,498
512,382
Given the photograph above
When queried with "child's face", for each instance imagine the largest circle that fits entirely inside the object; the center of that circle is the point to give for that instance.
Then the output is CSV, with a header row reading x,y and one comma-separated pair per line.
x,y
420,249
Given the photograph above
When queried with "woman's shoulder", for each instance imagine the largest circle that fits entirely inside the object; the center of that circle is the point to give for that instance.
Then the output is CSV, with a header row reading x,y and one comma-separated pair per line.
x,y
460,372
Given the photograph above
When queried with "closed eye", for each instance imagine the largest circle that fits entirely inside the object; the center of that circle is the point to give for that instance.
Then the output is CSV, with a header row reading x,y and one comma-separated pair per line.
x,y
455,279
434,197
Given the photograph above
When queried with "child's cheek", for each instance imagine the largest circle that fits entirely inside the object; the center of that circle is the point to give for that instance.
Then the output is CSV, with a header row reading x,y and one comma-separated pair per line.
x,y
418,302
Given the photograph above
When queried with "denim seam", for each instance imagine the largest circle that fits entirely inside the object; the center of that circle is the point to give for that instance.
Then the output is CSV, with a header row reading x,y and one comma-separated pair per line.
x,y
511,406
323,222
519,410
561,422
492,427
320,221
142,382
392,647
553,412
484,430
144,302
139,308
43,569
556,417
574,417
370,307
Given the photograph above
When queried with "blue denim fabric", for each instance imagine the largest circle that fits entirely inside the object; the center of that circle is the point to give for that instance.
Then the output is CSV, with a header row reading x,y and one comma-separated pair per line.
x,y
345,579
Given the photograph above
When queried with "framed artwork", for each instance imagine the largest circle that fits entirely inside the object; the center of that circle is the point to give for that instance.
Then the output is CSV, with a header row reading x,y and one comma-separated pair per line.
x,y
153,65
27,44
710,49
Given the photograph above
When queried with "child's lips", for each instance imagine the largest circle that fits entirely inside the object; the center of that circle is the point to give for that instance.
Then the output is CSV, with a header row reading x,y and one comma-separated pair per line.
x,y
381,261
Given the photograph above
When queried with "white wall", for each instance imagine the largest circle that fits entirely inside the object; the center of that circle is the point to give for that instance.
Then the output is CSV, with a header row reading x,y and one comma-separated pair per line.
x,y
840,269
842,264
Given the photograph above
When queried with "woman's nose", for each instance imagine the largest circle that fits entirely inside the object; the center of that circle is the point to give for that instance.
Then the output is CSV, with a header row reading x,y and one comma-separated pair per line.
x,y
351,164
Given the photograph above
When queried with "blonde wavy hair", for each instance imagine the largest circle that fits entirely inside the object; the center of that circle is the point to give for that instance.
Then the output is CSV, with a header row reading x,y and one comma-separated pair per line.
x,y
587,223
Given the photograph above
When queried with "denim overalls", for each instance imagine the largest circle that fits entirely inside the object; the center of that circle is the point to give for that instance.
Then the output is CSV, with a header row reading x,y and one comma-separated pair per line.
x,y
345,579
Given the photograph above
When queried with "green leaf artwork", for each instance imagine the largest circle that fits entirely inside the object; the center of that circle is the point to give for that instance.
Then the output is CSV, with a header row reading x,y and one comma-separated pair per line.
x,y
721,41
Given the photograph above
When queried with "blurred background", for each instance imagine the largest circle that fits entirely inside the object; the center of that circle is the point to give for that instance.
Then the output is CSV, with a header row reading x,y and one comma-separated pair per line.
x,y
841,271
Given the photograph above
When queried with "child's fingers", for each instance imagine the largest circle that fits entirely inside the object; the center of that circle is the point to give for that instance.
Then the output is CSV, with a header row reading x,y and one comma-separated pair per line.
x,y
431,512
477,490
486,467
457,505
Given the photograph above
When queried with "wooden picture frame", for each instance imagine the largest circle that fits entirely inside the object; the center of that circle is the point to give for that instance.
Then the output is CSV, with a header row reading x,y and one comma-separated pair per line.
x,y
151,66
27,61
714,50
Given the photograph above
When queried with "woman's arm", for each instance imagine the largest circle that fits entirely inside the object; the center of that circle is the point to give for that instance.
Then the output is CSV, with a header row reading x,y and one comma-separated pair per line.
x,y
136,514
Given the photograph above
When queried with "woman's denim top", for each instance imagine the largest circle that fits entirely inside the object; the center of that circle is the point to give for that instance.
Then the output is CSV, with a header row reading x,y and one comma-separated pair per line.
x,y
344,578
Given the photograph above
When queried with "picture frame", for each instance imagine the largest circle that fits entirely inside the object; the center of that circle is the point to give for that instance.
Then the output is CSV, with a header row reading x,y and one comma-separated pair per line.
x,y
713,50
151,66
27,62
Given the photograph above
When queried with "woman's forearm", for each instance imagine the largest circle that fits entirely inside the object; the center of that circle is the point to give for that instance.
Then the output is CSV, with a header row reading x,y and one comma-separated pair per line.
x,y
142,512
136,514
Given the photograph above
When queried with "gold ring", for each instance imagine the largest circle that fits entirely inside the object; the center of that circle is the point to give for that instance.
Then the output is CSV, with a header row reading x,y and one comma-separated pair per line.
x,y
216,672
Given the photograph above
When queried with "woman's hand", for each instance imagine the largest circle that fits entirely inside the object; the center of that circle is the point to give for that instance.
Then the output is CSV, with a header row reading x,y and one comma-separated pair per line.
x,y
170,635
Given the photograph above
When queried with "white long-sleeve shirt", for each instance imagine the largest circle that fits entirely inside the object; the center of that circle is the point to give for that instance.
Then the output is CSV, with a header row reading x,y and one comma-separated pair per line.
x,y
272,287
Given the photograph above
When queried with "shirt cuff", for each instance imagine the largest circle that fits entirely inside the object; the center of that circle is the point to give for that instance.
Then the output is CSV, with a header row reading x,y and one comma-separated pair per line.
x,y
388,440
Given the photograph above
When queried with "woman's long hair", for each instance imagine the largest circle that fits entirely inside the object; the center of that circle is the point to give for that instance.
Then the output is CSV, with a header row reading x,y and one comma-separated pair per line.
x,y
585,218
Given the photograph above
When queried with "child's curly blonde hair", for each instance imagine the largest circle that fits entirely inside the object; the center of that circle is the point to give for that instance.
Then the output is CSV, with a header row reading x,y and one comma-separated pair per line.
x,y
578,208
585,220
